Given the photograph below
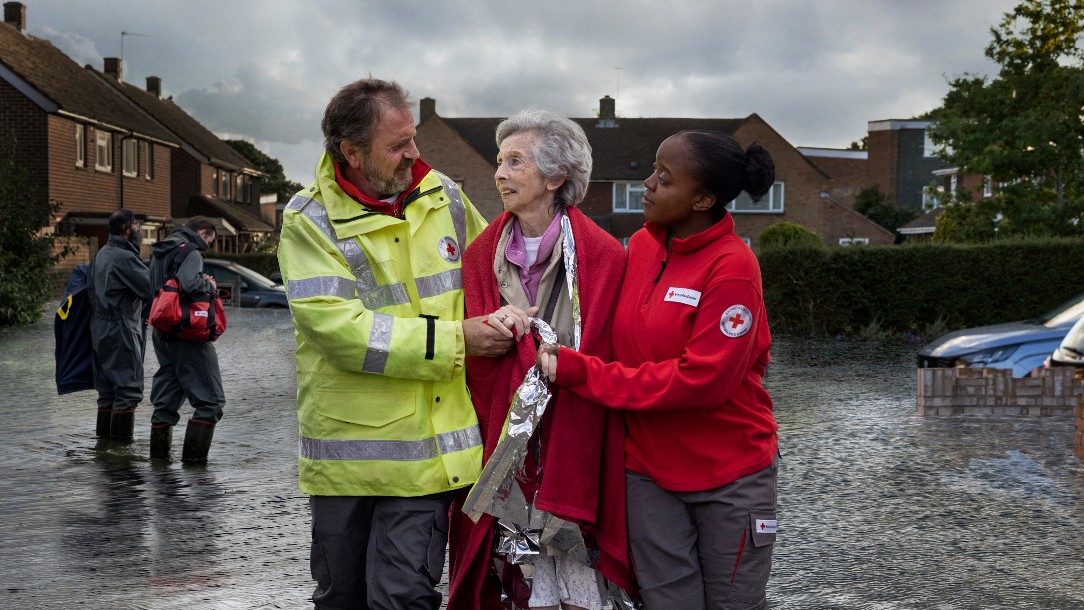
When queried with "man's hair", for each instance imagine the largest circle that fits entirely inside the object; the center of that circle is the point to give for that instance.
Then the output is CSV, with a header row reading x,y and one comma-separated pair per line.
x,y
352,114
121,221
201,223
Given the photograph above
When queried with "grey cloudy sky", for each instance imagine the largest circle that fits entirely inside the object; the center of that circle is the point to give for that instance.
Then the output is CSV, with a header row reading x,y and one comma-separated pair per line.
x,y
263,70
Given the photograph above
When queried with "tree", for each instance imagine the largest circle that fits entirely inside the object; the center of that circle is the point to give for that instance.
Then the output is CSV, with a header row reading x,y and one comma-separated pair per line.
x,y
1024,128
26,253
274,180
874,204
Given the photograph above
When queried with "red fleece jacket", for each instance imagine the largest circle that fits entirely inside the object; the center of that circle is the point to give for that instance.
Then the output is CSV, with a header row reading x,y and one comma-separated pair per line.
x,y
583,478
690,346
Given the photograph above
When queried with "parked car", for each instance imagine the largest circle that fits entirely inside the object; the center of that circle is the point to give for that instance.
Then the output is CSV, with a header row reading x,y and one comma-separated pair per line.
x,y
255,290
1070,352
1021,346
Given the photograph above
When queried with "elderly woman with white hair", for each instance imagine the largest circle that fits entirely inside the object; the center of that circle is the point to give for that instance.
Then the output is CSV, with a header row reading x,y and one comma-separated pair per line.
x,y
574,467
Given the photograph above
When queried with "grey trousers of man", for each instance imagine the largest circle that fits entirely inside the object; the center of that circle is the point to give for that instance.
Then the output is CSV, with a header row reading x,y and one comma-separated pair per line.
x,y
703,550
186,369
378,552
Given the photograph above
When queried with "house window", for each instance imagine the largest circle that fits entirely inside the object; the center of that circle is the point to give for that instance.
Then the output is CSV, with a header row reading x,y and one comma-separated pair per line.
x,y
227,182
987,187
80,145
770,203
103,151
239,188
148,159
627,197
952,182
214,188
854,241
129,156
747,241
929,149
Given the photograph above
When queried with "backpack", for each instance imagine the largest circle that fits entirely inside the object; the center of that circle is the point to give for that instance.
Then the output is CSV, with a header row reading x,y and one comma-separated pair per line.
x,y
190,317
71,330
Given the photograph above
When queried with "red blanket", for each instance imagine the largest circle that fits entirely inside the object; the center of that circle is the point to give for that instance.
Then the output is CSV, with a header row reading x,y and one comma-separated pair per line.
x,y
583,479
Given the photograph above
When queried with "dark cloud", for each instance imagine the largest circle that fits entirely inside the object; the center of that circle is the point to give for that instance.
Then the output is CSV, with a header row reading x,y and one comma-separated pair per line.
x,y
816,70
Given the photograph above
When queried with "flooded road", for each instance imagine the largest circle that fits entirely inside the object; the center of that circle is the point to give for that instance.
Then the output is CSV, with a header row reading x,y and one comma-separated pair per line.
x,y
879,508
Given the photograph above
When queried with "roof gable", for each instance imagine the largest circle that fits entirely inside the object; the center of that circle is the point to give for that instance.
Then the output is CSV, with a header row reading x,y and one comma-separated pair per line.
x,y
619,153
203,141
72,89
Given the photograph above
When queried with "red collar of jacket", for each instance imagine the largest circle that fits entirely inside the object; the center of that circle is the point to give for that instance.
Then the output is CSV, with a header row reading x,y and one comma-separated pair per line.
x,y
417,172
695,241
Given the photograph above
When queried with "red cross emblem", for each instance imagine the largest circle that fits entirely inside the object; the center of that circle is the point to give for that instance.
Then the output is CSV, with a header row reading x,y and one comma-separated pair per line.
x,y
448,249
736,321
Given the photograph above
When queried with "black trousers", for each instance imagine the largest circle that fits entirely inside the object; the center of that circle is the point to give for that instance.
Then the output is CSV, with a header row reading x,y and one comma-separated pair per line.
x,y
186,369
378,552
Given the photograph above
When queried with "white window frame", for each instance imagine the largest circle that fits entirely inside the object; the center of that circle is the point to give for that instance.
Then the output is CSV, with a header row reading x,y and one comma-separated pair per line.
x,y
953,184
853,241
623,192
774,200
987,186
103,151
148,159
129,157
80,145
929,148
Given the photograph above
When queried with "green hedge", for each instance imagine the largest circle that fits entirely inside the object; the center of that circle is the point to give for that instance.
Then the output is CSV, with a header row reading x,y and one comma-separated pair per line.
x,y
919,288
260,263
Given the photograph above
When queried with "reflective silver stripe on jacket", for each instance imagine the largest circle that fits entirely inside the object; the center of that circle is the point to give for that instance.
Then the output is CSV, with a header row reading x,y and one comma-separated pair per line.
x,y
456,209
396,451
445,281
322,286
372,295
376,356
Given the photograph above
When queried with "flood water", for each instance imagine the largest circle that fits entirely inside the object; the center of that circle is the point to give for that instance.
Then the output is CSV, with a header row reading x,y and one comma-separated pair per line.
x,y
879,508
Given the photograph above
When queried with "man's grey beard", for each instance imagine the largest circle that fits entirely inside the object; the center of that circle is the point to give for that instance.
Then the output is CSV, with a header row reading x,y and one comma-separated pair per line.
x,y
386,186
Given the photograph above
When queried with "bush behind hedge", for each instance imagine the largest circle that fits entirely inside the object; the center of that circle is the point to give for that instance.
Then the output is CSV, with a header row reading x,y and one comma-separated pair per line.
x,y
911,288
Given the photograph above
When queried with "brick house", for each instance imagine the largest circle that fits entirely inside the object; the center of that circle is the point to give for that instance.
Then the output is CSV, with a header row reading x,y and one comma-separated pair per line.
x,y
623,154
85,149
209,177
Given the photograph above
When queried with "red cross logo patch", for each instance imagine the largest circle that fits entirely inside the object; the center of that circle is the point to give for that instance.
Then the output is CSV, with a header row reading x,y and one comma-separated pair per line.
x,y
736,321
448,249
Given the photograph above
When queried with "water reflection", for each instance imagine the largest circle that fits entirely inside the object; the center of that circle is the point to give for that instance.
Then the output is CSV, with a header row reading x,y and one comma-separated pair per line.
x,y
879,508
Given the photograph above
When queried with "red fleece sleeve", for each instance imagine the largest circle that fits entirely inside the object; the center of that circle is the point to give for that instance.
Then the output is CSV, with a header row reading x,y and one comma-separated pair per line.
x,y
712,364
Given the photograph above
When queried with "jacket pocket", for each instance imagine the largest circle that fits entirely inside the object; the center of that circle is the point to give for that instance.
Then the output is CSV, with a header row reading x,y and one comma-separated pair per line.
x,y
369,408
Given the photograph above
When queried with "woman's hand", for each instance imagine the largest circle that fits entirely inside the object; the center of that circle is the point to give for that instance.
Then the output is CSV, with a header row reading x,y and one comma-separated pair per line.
x,y
511,321
547,360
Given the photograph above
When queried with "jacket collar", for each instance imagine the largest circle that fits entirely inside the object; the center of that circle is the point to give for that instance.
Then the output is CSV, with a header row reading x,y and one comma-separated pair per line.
x,y
120,242
350,217
713,233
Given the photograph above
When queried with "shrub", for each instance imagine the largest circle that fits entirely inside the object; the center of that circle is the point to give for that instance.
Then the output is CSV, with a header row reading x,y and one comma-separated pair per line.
x,y
784,234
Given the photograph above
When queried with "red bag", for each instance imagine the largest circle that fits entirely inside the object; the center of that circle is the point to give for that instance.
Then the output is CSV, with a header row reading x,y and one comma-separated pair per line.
x,y
191,317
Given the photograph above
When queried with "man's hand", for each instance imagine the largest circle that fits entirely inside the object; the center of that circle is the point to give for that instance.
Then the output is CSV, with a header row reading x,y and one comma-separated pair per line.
x,y
481,339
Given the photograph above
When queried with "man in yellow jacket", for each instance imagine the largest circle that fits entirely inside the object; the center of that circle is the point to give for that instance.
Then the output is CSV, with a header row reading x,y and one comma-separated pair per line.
x,y
370,254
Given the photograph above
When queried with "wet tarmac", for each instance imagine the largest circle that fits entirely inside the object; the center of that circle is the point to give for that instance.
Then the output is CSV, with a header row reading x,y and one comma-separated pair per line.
x,y
879,508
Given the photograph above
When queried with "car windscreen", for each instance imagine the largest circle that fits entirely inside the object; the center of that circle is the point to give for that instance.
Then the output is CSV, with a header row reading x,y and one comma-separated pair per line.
x,y
1075,338
253,277
1066,313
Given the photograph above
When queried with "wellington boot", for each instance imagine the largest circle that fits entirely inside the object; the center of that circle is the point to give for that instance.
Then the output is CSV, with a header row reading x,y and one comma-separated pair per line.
x,y
197,441
101,428
122,425
161,439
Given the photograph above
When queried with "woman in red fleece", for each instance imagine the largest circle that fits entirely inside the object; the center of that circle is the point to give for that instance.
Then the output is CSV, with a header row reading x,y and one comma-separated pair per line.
x,y
690,346
575,463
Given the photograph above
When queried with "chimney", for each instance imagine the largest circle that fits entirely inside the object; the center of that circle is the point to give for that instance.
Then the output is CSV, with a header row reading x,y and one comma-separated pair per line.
x,y
607,113
154,86
427,107
114,67
15,15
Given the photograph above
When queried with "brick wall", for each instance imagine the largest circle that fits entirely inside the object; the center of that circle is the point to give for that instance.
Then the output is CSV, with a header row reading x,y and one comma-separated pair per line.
x,y
981,391
25,122
449,154
884,152
848,176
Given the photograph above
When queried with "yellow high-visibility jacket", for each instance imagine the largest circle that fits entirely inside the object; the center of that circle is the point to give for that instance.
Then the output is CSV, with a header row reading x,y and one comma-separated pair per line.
x,y
377,302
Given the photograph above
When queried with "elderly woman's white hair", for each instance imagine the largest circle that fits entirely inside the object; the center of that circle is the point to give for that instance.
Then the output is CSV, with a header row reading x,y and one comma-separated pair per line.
x,y
560,150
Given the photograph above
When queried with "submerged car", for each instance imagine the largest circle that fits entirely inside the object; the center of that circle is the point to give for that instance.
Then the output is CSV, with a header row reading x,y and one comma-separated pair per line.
x,y
1070,352
1020,346
256,290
